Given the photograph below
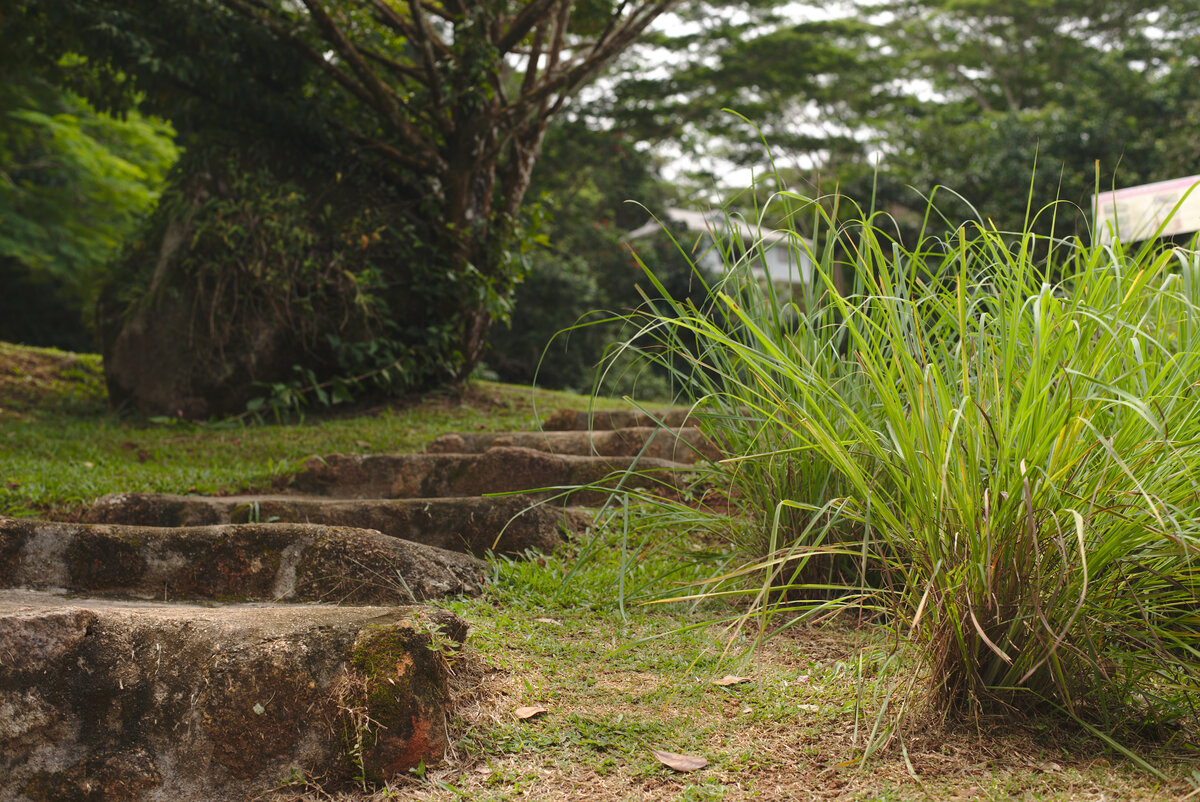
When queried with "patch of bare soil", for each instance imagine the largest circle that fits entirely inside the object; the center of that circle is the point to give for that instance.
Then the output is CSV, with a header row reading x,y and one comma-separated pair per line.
x,y
796,731
33,377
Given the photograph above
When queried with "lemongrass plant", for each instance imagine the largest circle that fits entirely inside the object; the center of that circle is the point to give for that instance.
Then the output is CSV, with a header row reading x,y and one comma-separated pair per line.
x,y
993,438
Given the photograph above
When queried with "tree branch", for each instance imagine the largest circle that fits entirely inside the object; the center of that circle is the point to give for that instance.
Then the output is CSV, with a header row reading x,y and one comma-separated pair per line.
x,y
434,82
384,96
571,75
611,22
556,45
403,70
414,163
535,55
437,11
389,17
522,24
305,49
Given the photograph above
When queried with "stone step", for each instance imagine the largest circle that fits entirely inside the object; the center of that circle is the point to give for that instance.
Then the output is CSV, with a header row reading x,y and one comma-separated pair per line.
x,y
111,700
272,562
499,470
687,445
507,525
564,420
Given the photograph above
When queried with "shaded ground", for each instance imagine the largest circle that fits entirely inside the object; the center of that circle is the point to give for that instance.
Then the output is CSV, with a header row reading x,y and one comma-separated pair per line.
x,y
32,378
615,688
62,448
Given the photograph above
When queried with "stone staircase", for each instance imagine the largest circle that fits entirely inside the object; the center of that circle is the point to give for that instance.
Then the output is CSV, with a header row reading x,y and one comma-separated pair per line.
x,y
198,648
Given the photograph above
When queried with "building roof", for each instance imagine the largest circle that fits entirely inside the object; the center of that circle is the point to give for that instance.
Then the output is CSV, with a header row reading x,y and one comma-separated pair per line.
x,y
713,221
788,263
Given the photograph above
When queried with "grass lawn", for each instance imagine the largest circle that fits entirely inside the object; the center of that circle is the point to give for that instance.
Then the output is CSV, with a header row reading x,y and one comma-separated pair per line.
x,y
616,677
62,448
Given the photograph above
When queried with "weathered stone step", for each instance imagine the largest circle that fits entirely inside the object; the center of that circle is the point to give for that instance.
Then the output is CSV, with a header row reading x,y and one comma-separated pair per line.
x,y
500,470
274,562
685,445
139,700
507,525
564,420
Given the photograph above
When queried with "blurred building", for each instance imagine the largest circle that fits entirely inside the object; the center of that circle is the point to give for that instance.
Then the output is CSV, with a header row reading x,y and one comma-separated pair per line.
x,y
715,241
1161,209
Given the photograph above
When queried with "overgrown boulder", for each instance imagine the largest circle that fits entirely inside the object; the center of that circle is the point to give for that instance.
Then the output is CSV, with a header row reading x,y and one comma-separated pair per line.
x,y
271,274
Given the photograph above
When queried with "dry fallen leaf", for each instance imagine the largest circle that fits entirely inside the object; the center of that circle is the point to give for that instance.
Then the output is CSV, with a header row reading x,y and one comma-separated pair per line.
x,y
809,708
730,679
529,712
548,621
679,762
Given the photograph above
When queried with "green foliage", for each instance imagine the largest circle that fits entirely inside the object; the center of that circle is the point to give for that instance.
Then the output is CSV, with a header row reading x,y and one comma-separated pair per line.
x,y
317,257
1086,87
443,107
995,451
577,263
886,96
74,184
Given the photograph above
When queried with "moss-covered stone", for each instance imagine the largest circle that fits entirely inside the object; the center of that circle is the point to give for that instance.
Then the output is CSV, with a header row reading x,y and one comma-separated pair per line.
x,y
99,559
10,553
499,470
268,562
505,525
686,445
121,700
563,420
103,777
399,682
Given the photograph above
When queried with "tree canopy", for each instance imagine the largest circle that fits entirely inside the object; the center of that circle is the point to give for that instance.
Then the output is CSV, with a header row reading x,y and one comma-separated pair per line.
x,y
74,184
884,98
441,106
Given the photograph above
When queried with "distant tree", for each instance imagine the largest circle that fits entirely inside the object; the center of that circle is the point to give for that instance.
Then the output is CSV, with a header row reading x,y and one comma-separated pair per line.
x,y
591,186
1095,90
891,99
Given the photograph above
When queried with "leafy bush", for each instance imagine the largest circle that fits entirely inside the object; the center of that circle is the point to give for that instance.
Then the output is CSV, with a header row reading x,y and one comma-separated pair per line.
x,y
303,268
74,184
575,260
996,452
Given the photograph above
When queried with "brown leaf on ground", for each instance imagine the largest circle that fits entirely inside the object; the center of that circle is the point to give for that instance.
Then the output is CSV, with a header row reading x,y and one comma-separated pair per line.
x,y
528,712
730,679
679,762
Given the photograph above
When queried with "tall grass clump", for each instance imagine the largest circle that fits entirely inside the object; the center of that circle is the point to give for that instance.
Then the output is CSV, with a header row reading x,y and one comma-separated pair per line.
x,y
989,441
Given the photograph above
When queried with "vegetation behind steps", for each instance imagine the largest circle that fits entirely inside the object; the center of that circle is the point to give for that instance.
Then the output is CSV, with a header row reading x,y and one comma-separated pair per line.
x,y
444,108
60,448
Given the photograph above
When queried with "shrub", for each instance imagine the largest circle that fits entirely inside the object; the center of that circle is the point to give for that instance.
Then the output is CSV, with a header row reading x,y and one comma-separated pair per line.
x,y
990,439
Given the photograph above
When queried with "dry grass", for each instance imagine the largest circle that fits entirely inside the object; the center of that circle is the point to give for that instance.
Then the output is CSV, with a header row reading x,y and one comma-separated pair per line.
x,y
791,733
